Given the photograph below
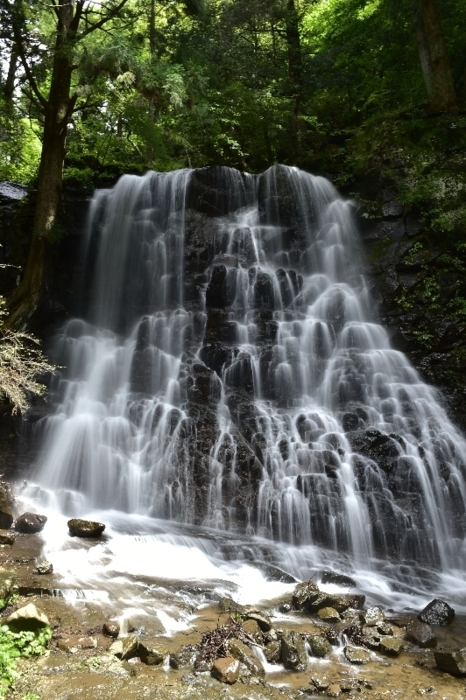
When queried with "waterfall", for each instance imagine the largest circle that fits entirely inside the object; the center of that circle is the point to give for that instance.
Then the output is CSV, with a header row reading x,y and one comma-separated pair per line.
x,y
229,372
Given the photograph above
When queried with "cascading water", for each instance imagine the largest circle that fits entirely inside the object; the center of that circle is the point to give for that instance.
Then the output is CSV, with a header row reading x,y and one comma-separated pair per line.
x,y
229,374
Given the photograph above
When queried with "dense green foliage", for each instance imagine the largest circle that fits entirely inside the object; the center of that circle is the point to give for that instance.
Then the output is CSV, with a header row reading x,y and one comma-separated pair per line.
x,y
333,86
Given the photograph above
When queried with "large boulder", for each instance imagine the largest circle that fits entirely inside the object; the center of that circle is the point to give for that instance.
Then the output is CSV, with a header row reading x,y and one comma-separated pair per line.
x,y
85,528
30,523
453,662
437,612
28,618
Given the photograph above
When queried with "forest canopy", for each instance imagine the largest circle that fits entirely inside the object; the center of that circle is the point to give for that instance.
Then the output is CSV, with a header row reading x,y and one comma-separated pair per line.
x,y
164,84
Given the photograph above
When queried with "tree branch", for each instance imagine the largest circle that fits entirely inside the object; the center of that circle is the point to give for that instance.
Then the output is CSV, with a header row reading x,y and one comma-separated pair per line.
x,y
19,43
110,15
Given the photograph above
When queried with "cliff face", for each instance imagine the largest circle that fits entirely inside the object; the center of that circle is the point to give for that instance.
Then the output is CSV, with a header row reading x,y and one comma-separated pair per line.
x,y
418,284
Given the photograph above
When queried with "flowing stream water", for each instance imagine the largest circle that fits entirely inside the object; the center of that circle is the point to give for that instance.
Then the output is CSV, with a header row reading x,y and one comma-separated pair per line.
x,y
231,409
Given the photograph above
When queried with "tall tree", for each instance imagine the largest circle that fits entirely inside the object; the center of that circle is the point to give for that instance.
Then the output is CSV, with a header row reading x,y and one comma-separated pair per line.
x,y
74,21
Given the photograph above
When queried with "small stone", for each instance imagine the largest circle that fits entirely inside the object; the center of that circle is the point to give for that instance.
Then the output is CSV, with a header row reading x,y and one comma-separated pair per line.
x,y
294,654
262,619
421,634
437,612
44,567
7,583
285,608
251,627
319,646
453,662
151,652
356,655
30,523
85,528
320,682
374,616
385,628
334,691
391,646
349,684
28,617
184,657
226,670
329,615
74,643
7,537
111,629
246,656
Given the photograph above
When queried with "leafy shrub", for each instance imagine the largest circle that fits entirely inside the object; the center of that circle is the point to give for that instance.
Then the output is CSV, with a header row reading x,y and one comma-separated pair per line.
x,y
14,645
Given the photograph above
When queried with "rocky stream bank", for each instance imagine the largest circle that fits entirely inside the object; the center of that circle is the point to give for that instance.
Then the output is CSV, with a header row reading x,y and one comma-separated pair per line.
x,y
308,644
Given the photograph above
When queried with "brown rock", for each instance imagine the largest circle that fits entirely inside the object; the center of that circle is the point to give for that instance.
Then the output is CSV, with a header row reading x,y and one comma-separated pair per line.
x,y
252,628
111,629
247,657
74,643
273,652
226,670
7,537
453,662
334,691
85,528
356,655
329,615
391,646
30,523
151,652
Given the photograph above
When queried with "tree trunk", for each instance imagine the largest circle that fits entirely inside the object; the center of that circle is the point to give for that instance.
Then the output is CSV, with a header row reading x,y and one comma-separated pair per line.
x,y
433,55
293,40
26,298
9,87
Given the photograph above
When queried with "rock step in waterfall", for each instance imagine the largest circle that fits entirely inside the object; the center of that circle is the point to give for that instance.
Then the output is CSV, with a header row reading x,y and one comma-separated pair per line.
x,y
228,372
